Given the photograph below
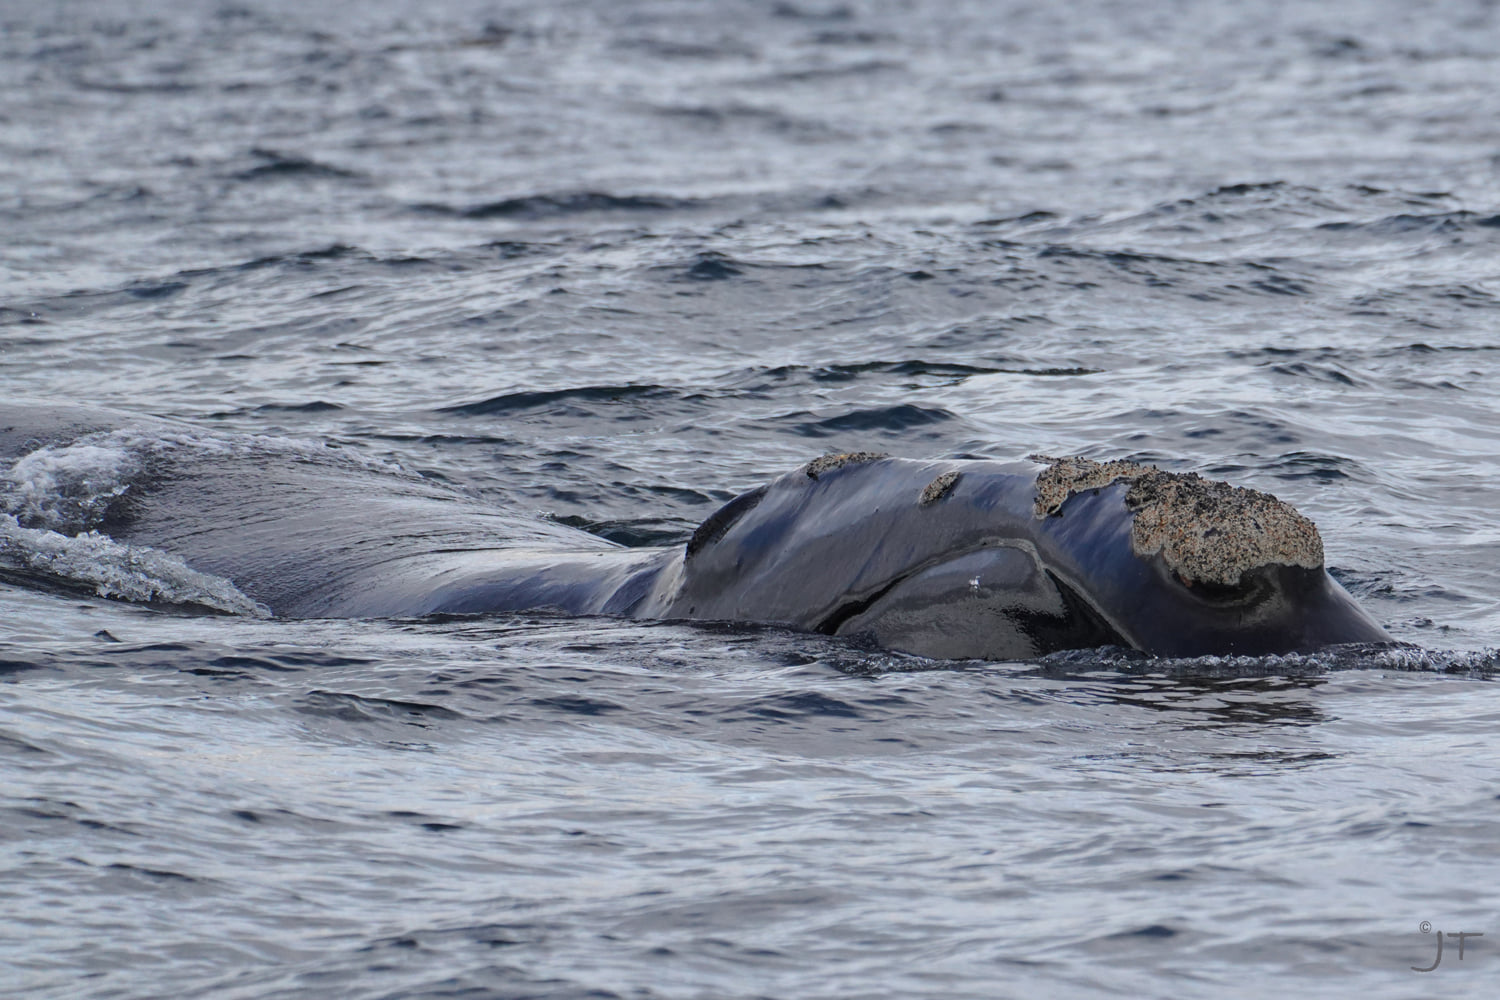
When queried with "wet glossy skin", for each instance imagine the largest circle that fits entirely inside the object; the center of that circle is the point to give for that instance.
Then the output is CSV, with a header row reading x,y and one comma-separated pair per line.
x,y
979,574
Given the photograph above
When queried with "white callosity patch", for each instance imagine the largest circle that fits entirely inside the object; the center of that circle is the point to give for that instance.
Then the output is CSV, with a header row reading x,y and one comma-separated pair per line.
x,y
1206,531
53,500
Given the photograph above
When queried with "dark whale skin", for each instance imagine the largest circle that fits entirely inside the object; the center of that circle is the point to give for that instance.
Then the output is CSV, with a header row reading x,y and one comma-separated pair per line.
x,y
979,574
948,559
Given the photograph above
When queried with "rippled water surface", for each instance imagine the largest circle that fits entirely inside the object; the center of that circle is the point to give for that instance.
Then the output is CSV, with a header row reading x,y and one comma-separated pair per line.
x,y
610,264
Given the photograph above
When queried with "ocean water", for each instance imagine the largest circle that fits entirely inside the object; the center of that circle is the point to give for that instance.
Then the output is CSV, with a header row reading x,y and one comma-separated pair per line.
x,y
605,265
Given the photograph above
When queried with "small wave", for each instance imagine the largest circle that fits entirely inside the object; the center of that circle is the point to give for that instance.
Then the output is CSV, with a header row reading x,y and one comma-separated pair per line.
x,y
547,206
1403,224
1318,373
741,117
793,12
511,249
275,166
296,259
1275,205
949,372
1257,204
669,48
714,267
1240,190
1018,221
302,258
316,406
135,86
1317,466
154,289
820,74
1125,260
573,704
797,707
1366,656
852,38
888,419
19,317
530,399
348,707
1275,284
1421,348
914,373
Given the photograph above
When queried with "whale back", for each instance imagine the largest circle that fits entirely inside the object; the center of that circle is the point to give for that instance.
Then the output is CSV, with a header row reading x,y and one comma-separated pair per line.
x,y
300,528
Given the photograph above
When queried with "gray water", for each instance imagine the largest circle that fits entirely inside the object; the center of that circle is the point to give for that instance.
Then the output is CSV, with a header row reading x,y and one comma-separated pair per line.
x,y
611,263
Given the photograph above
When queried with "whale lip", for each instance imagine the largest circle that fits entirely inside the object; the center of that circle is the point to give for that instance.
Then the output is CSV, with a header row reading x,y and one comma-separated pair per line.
x,y
1268,610
994,600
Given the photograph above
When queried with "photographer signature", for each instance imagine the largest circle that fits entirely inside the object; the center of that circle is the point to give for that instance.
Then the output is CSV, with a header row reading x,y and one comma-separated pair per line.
x,y
1426,928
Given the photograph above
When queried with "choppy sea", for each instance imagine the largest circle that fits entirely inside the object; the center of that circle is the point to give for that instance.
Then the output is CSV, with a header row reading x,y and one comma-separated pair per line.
x,y
610,263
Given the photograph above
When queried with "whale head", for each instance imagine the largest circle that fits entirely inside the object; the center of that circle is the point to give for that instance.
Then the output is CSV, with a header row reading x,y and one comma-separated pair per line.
x,y
987,560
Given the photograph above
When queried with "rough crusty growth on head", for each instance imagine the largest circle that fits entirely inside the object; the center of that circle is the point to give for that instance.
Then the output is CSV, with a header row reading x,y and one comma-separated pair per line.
x,y
938,488
827,463
1065,476
1206,531
717,524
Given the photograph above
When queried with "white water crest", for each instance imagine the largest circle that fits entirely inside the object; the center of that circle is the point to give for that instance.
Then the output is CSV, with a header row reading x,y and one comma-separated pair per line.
x,y
116,569
68,488
54,500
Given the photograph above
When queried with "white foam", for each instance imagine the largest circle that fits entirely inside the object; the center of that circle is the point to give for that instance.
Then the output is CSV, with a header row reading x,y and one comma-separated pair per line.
x,y
67,488
119,570
54,500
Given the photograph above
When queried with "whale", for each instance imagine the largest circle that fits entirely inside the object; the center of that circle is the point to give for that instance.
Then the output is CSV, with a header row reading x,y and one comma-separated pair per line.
x,y
943,558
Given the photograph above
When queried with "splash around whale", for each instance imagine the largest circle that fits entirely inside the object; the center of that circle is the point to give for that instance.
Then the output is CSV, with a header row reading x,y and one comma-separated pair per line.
x,y
947,559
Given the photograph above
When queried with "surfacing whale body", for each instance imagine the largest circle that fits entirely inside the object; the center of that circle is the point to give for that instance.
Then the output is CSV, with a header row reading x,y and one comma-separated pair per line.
x,y
948,559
